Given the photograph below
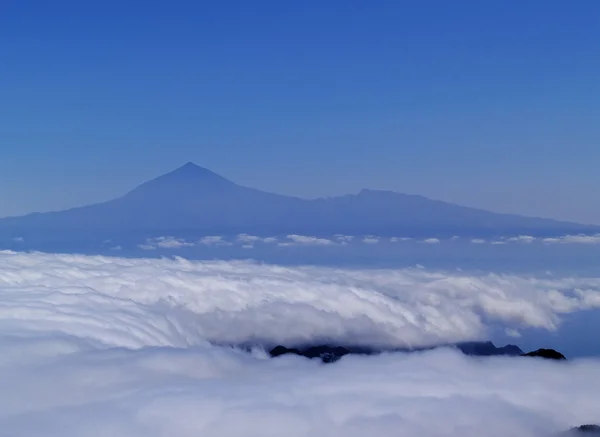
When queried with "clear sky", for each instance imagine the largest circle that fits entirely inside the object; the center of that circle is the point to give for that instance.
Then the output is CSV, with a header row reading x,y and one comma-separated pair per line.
x,y
493,104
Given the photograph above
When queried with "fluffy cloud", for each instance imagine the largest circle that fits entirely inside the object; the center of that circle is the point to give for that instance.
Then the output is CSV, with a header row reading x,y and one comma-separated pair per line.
x,y
102,346
370,239
575,239
248,239
178,243
522,239
344,239
215,240
306,240
165,243
512,333
180,303
72,389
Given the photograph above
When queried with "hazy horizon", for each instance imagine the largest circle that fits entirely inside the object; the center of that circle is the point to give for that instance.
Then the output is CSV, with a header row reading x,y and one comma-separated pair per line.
x,y
188,163
484,105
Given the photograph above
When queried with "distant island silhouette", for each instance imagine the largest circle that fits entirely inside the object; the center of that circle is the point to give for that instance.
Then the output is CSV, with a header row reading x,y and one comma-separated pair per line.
x,y
329,353
192,199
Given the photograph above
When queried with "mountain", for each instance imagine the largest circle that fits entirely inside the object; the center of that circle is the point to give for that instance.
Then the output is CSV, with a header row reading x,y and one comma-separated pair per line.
x,y
192,199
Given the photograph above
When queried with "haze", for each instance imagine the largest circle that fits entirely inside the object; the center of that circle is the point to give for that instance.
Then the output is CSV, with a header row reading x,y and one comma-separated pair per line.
x,y
481,104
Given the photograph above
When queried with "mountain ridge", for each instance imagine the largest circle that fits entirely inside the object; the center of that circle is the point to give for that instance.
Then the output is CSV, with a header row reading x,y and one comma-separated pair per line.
x,y
193,198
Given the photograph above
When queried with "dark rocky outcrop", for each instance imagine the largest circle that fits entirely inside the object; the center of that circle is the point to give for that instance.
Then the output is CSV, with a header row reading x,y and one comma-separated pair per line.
x,y
487,348
327,354
330,354
595,429
587,430
549,354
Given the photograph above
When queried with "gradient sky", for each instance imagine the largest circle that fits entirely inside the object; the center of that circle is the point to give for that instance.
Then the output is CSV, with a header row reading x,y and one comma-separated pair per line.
x,y
493,104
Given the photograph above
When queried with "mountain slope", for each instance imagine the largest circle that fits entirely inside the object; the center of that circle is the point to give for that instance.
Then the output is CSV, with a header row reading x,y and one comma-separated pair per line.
x,y
193,199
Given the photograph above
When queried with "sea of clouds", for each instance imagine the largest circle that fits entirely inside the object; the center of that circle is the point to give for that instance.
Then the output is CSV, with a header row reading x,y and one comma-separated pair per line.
x,y
104,346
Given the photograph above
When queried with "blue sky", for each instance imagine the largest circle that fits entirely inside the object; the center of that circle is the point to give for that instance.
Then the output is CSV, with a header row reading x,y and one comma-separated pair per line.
x,y
491,104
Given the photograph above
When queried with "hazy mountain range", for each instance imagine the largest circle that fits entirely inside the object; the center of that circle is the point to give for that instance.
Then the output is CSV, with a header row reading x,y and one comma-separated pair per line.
x,y
192,199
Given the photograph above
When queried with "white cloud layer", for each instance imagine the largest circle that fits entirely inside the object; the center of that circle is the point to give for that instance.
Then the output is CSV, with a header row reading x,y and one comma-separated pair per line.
x,y
179,303
69,388
103,347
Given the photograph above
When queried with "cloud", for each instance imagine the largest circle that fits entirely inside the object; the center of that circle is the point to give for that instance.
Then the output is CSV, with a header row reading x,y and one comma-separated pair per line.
x,y
512,333
171,243
248,239
574,239
165,243
344,239
179,303
306,240
397,239
370,239
521,239
18,239
97,346
73,389
214,240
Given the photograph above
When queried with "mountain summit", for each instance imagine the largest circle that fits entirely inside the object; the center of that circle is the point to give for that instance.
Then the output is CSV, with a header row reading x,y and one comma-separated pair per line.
x,y
191,173
193,199
186,182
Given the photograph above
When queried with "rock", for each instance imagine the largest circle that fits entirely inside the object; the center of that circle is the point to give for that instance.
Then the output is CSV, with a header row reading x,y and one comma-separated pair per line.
x,y
589,429
330,354
326,353
487,348
549,354
282,350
